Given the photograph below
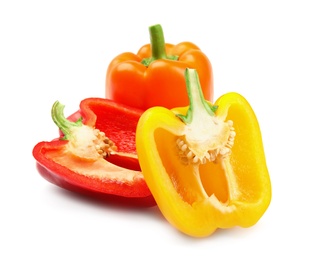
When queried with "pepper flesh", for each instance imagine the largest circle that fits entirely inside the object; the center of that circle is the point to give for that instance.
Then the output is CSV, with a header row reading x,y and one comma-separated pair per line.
x,y
231,187
155,75
90,162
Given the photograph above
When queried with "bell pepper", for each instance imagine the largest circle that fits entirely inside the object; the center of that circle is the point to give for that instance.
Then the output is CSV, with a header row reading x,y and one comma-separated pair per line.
x,y
95,154
155,75
205,163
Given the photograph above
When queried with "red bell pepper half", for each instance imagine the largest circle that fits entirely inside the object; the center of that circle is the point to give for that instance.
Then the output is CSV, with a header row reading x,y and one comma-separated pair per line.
x,y
95,154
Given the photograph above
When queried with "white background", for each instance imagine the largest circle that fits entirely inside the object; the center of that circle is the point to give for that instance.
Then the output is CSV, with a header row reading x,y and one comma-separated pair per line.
x,y
59,50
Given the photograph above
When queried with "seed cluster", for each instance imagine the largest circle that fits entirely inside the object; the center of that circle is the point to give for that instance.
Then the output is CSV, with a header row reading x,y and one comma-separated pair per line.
x,y
103,144
187,156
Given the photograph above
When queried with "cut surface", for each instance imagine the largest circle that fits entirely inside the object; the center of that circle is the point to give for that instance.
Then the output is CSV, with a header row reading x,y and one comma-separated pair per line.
x,y
184,176
100,169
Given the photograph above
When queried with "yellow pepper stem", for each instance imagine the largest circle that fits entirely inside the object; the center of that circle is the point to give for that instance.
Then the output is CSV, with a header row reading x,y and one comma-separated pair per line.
x,y
198,104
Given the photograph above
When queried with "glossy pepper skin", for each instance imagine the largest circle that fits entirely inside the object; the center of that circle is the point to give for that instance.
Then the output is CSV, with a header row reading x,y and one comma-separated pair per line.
x,y
155,75
205,164
74,163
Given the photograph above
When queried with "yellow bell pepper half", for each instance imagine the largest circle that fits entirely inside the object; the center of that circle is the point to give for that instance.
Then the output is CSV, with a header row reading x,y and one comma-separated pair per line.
x,y
205,164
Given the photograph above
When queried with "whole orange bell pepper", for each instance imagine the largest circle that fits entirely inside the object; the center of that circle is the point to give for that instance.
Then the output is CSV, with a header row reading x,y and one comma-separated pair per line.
x,y
155,75
205,163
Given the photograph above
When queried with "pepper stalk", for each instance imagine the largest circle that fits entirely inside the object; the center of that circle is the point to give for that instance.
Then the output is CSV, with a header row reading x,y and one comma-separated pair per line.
x,y
85,142
158,47
206,136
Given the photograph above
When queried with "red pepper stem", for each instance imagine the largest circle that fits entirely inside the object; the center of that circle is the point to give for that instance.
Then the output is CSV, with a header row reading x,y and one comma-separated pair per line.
x,y
157,42
59,119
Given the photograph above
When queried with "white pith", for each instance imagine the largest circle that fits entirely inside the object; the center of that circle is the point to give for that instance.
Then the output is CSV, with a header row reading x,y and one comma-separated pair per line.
x,y
206,136
89,143
206,141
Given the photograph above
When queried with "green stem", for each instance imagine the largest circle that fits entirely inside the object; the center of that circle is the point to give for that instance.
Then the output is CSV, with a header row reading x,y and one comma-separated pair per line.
x,y
198,104
59,119
158,46
157,42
